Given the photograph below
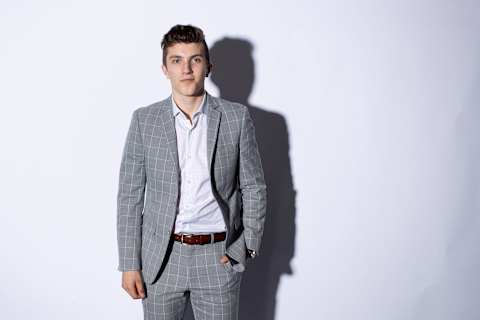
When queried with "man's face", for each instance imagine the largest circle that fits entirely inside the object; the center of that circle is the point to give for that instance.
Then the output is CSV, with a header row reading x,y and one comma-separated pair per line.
x,y
186,67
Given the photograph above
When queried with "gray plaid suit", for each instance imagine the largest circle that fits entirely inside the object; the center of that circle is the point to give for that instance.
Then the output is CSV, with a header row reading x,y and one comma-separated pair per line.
x,y
149,186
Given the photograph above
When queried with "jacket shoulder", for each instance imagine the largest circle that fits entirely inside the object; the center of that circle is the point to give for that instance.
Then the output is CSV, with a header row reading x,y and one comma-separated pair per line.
x,y
151,109
228,106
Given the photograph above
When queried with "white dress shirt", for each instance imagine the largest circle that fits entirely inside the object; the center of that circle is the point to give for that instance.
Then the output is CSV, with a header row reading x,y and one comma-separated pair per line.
x,y
198,210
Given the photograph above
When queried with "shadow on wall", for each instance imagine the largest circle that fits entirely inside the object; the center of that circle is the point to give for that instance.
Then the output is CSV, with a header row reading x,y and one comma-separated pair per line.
x,y
233,73
455,294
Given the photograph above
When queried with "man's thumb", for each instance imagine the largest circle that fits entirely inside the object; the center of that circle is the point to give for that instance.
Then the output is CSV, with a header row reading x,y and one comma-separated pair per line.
x,y
140,288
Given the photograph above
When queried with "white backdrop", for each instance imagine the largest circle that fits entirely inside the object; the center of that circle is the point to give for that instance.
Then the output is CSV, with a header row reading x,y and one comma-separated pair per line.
x,y
378,195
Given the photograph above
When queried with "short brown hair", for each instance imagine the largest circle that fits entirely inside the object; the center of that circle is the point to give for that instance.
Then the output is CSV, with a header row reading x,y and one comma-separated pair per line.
x,y
186,34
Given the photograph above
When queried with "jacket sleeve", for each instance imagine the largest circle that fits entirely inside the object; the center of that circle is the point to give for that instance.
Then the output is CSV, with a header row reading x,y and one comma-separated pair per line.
x,y
130,198
252,185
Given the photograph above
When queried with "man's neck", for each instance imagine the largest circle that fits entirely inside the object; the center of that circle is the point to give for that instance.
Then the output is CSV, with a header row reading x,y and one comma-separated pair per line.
x,y
188,104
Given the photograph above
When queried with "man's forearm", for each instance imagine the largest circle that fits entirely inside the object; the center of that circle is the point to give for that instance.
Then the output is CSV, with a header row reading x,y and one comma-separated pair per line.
x,y
130,198
252,185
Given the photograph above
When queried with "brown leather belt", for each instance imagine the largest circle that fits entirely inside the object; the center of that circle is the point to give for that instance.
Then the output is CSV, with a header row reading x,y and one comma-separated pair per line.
x,y
187,238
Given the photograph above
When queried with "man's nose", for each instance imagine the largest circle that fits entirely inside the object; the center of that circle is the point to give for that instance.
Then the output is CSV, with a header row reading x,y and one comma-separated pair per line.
x,y
186,68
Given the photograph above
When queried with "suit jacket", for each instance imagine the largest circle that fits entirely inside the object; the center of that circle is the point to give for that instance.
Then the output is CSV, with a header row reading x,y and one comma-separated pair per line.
x,y
149,190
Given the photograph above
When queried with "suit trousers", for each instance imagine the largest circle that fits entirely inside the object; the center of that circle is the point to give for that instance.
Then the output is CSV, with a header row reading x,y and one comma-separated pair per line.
x,y
195,273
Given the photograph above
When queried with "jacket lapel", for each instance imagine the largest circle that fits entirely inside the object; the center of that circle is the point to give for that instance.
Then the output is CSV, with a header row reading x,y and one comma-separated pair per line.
x,y
213,123
169,131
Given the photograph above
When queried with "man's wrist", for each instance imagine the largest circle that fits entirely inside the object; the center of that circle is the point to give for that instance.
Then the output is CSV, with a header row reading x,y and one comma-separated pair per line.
x,y
232,261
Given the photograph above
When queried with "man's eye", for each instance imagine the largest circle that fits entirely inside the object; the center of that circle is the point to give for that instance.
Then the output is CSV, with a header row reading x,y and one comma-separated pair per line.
x,y
198,60
175,60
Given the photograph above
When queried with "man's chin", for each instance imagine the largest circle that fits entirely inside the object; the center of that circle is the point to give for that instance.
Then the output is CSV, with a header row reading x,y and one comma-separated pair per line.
x,y
192,93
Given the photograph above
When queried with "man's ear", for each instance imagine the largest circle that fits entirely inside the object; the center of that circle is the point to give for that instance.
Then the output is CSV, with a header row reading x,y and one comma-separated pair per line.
x,y
165,71
209,69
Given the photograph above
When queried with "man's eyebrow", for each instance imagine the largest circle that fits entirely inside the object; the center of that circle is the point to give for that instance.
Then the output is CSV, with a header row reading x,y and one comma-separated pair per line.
x,y
192,56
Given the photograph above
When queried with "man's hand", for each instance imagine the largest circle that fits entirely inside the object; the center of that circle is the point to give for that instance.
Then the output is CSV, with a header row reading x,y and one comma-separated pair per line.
x,y
224,259
132,282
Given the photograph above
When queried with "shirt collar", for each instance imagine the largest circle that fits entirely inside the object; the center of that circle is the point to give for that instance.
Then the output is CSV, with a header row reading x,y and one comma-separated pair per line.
x,y
203,106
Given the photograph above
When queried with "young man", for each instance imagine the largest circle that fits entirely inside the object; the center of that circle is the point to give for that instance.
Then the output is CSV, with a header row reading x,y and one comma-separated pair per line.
x,y
192,195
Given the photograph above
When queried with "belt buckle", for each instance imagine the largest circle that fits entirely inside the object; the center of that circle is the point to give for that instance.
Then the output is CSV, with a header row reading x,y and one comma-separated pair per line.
x,y
212,238
181,238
